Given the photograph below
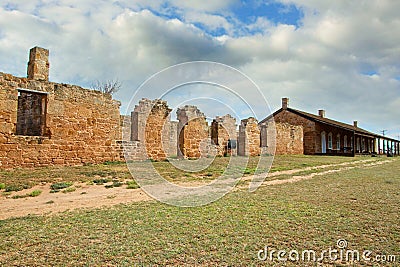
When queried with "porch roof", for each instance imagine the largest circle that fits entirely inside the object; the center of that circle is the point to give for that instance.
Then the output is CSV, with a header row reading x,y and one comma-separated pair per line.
x,y
324,120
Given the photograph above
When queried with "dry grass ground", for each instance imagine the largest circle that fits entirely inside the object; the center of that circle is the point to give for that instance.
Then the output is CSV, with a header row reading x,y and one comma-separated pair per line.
x,y
360,205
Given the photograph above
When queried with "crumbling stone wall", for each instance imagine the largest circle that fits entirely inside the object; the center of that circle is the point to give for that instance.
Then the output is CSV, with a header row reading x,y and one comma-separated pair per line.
x,y
44,123
38,65
156,135
125,127
223,129
173,139
80,126
193,136
151,126
249,138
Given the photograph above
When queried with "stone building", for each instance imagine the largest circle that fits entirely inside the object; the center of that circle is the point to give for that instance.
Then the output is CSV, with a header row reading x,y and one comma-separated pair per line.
x,y
44,123
315,134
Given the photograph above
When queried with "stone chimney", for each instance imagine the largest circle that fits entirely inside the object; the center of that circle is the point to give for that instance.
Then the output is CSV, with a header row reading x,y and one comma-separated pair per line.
x,y
38,65
285,103
355,123
321,113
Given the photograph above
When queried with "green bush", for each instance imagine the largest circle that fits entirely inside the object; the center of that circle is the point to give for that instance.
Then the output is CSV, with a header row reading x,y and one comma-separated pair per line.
x,y
132,185
100,181
2,186
69,190
34,193
58,186
11,188
19,196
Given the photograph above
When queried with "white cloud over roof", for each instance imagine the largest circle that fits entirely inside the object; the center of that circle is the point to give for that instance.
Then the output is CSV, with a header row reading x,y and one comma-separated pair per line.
x,y
342,56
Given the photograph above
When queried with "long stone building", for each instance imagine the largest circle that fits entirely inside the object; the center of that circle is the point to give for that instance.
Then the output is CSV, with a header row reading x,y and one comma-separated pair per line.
x,y
324,136
45,123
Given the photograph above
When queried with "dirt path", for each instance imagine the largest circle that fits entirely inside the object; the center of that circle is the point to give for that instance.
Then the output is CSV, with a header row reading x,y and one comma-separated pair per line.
x,y
294,179
86,196
96,196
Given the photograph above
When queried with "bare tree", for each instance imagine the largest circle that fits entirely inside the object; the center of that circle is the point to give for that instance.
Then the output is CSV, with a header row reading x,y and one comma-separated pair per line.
x,y
107,87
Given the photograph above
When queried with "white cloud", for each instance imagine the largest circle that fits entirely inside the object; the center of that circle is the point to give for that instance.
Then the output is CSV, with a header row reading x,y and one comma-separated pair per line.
x,y
343,57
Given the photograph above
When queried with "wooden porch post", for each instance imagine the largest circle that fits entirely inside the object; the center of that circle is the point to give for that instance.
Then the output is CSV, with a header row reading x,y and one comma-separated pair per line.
x,y
398,148
354,144
379,146
384,146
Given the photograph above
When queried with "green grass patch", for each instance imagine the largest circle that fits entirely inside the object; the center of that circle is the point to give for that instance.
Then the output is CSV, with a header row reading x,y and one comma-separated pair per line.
x,y
132,185
13,188
357,205
59,186
34,193
69,190
101,181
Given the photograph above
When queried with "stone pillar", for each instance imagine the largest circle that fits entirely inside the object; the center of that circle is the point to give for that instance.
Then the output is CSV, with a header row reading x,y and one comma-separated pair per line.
x,y
249,138
38,65
139,117
173,139
223,135
193,139
151,127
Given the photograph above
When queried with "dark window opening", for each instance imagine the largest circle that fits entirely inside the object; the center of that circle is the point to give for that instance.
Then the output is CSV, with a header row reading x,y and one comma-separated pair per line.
x,y
231,144
31,113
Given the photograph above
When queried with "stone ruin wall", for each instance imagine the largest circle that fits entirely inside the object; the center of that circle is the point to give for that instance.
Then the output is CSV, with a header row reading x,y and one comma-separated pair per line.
x,y
223,129
44,123
193,133
80,125
249,138
152,127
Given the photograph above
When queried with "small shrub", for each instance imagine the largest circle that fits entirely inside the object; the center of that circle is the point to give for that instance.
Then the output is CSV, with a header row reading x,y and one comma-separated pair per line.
x,y
114,184
69,190
34,193
117,184
59,186
100,181
132,185
19,196
49,202
11,188
2,186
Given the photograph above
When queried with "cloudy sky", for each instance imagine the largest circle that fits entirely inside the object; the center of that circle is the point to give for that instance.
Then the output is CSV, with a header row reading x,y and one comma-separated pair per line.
x,y
342,56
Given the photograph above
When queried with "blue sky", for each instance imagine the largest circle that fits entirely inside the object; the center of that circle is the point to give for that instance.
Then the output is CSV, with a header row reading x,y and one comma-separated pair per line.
x,y
341,56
